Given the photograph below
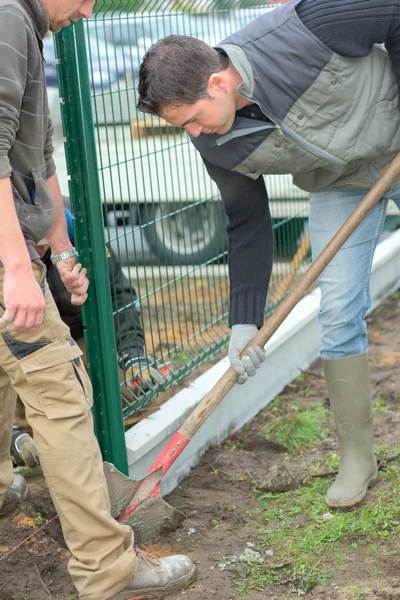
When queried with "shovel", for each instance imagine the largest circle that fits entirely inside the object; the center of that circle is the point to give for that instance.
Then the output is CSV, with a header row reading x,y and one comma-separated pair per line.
x,y
139,503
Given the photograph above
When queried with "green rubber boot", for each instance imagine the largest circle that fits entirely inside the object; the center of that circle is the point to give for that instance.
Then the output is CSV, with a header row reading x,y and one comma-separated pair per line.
x,y
350,397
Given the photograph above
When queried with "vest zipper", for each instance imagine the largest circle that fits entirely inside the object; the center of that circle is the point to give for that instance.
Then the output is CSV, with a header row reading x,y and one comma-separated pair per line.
x,y
282,129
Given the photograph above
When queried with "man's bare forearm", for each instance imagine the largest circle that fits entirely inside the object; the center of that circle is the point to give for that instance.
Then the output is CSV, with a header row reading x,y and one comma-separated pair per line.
x,y
13,251
58,234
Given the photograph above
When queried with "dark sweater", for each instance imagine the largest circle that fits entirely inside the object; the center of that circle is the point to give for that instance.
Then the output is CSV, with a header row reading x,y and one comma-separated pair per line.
x,y
350,28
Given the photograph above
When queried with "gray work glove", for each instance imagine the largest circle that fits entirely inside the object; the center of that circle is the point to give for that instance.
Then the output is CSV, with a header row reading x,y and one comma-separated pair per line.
x,y
246,367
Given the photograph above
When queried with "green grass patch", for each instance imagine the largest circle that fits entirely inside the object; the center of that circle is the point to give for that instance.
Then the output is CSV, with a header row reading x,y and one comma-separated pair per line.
x,y
309,540
380,406
30,471
298,428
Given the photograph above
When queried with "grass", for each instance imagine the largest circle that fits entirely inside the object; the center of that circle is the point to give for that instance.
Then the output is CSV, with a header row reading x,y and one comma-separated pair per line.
x,y
30,471
298,428
309,542
380,406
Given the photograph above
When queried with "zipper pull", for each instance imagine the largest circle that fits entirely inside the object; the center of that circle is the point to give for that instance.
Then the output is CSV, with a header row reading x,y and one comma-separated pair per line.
x,y
280,132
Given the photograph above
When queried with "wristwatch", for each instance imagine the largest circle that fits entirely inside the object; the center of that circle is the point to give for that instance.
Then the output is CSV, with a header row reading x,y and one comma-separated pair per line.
x,y
63,255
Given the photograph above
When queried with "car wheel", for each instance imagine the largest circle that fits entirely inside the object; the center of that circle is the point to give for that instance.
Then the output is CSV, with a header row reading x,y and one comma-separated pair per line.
x,y
181,233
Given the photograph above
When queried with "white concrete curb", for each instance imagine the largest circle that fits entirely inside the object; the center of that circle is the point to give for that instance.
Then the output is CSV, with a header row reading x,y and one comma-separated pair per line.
x,y
293,347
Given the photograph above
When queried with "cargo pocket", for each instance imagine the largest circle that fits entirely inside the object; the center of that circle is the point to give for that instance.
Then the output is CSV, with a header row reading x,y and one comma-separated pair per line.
x,y
59,378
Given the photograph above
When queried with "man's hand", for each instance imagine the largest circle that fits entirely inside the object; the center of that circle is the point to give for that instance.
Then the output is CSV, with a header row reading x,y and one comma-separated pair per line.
x,y
74,278
246,366
24,300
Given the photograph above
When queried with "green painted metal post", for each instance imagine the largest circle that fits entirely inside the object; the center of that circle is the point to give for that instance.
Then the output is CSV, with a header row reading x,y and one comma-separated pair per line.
x,y
89,234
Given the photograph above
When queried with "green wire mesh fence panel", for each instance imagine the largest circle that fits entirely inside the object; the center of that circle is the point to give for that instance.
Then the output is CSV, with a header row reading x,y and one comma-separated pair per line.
x,y
162,213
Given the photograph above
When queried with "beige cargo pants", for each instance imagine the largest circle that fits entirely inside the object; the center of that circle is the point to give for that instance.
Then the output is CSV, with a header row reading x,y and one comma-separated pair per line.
x,y
45,369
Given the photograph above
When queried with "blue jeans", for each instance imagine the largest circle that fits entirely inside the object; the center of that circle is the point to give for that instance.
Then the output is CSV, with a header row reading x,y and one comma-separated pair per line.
x,y
345,283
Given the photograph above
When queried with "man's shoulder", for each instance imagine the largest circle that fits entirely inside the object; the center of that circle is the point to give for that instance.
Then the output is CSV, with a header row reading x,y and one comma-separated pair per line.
x,y
13,7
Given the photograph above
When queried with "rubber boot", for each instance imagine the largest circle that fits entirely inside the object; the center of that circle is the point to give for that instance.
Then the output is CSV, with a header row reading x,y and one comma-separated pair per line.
x,y
350,397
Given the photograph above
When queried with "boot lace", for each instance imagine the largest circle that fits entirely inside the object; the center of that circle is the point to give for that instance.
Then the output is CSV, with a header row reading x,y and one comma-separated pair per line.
x,y
148,558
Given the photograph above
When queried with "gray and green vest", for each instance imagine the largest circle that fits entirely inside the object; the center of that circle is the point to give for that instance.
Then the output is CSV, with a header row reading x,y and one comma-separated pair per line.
x,y
329,114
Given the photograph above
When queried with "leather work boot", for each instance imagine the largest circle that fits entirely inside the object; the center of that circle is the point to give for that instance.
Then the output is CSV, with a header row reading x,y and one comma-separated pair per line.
x,y
158,577
350,397
17,492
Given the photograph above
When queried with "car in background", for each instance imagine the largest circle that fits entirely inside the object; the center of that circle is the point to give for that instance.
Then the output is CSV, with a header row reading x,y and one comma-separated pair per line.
x,y
106,63
133,33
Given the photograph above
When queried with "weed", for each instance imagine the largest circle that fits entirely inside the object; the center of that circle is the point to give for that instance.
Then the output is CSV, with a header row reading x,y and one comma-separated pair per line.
x,y
215,523
39,520
300,378
234,445
297,428
307,392
380,406
228,506
30,471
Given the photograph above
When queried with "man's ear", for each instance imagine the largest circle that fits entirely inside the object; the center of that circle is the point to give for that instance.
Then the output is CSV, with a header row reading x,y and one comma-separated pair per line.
x,y
217,83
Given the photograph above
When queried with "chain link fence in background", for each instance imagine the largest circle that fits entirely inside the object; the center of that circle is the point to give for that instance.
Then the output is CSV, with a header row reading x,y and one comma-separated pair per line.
x,y
162,214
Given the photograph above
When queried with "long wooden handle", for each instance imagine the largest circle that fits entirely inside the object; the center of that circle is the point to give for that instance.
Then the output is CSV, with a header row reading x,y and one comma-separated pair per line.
x,y
228,380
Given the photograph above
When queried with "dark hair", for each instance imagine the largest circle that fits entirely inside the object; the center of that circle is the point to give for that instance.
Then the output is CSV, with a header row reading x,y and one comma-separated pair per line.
x,y
175,71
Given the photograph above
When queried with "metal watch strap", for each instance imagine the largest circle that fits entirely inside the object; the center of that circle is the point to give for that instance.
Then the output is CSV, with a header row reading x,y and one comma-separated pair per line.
x,y
63,255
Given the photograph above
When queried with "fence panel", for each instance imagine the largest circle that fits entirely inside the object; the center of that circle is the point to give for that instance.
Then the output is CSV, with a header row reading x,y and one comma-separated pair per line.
x,y
163,215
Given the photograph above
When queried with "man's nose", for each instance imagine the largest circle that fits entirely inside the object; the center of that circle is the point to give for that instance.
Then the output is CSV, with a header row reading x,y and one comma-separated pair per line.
x,y
194,129
86,9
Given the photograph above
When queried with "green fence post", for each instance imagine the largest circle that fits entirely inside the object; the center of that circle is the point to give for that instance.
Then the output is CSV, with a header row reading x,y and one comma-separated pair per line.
x,y
89,234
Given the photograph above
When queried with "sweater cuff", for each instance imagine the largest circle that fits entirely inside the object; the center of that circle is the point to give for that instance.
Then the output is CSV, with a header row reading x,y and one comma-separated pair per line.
x,y
51,167
247,307
5,167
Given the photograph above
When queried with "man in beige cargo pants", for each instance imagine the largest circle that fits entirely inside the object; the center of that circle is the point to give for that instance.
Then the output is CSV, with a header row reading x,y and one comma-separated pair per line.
x,y
38,357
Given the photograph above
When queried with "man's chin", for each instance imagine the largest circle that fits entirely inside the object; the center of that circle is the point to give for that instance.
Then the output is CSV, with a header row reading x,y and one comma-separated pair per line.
x,y
56,26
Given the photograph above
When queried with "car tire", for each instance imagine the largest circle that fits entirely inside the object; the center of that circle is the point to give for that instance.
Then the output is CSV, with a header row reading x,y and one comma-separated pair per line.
x,y
184,233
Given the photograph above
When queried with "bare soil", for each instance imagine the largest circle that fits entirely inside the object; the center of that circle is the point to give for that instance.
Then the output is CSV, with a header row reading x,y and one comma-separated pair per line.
x,y
218,496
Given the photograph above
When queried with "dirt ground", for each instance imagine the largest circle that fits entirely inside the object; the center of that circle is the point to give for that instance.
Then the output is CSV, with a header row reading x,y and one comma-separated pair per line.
x,y
229,507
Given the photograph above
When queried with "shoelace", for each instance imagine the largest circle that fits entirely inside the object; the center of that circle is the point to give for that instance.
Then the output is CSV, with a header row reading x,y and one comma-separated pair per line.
x,y
148,558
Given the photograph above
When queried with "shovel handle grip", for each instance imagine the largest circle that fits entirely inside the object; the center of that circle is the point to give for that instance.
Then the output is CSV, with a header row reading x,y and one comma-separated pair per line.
x,y
228,380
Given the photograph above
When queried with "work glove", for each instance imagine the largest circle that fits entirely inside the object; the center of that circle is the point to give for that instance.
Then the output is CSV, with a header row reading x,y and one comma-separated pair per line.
x,y
143,372
246,366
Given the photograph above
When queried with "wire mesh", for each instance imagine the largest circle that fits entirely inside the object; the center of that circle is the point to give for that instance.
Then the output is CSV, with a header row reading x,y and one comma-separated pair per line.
x,y
163,215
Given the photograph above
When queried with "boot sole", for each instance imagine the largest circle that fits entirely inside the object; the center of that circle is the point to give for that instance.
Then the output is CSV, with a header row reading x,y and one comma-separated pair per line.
x,y
173,588
360,499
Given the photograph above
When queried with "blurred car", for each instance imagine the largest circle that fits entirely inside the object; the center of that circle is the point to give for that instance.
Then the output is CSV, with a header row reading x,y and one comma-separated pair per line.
x,y
106,63
133,33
